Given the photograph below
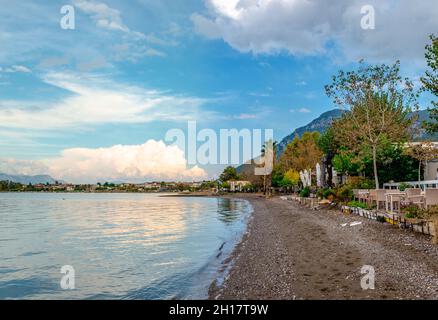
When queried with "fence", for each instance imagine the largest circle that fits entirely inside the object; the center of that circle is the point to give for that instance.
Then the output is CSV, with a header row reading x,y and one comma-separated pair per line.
x,y
416,225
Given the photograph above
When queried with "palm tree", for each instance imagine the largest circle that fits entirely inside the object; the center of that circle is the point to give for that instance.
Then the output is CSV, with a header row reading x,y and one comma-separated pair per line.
x,y
269,146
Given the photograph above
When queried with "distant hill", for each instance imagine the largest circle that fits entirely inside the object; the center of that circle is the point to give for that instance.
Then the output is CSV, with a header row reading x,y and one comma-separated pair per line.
x,y
319,124
23,179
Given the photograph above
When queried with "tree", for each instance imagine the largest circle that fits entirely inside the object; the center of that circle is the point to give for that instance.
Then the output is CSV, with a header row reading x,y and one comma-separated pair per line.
x,y
277,177
226,185
393,164
269,149
229,173
379,101
430,82
302,153
291,178
423,152
345,162
328,144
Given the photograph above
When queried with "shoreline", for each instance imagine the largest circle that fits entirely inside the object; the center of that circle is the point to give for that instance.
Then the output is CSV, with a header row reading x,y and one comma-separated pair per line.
x,y
291,252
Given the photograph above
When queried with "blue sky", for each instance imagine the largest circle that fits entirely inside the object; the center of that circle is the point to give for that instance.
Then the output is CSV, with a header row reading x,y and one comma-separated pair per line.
x,y
130,71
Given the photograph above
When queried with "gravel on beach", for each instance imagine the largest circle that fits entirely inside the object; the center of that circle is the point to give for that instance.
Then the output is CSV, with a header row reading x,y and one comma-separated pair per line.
x,y
292,252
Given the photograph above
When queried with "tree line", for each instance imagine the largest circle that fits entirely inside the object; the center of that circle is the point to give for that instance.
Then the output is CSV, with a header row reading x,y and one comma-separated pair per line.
x,y
372,138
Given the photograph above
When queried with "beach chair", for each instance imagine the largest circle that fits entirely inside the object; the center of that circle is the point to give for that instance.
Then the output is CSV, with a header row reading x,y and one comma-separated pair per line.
x,y
413,192
363,195
356,194
396,199
378,198
414,196
430,198
372,196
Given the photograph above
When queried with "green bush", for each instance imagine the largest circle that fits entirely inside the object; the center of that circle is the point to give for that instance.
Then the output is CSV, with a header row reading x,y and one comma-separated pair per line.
x,y
225,185
357,204
403,186
329,193
412,212
305,193
344,193
326,193
320,193
360,183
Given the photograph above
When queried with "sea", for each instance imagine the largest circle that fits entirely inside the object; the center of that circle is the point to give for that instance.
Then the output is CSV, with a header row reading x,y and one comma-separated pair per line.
x,y
116,245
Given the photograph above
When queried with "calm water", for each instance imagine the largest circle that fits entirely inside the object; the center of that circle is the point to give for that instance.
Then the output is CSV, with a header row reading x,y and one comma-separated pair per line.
x,y
121,246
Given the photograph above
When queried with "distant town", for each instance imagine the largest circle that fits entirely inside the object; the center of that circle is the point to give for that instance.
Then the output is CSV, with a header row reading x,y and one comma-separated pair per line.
x,y
9,186
229,181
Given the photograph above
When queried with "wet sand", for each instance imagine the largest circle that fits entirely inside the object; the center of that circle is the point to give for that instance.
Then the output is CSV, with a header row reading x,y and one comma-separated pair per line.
x,y
291,252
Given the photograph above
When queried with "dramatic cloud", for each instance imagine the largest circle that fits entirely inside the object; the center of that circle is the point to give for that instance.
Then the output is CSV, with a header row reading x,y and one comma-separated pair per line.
x,y
152,160
303,27
93,101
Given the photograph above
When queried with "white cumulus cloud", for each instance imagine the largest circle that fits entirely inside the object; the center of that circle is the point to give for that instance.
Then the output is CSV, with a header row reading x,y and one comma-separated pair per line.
x,y
302,27
25,167
153,160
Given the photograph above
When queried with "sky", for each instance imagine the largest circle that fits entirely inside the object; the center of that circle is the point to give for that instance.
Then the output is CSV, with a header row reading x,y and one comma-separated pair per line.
x,y
94,103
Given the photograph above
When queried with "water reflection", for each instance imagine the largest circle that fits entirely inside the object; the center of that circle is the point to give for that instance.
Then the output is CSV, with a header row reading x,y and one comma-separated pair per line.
x,y
228,209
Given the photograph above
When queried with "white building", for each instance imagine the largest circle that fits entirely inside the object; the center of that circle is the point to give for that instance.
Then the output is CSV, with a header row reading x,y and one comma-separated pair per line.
x,y
236,185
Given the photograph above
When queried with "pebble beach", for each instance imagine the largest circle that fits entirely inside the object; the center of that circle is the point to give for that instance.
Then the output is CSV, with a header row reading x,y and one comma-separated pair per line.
x,y
291,252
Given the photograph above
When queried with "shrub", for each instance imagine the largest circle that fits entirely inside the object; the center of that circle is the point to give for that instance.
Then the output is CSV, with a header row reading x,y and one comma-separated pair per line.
x,y
357,204
430,213
360,183
320,193
225,185
403,186
344,193
412,212
326,193
329,194
248,188
292,177
305,193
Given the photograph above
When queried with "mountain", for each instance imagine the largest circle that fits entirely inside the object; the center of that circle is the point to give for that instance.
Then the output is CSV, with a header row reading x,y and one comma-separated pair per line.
x,y
319,124
23,179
